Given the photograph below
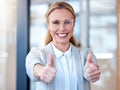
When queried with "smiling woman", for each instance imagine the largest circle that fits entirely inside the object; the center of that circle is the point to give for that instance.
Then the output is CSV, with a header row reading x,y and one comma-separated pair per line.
x,y
62,31
60,63
60,24
95,24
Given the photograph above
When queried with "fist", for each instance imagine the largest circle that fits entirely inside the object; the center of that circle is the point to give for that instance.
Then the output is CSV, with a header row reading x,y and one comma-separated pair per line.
x,y
48,72
92,70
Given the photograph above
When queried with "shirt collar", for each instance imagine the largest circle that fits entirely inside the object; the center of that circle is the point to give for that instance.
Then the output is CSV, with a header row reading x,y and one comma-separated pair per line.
x,y
59,53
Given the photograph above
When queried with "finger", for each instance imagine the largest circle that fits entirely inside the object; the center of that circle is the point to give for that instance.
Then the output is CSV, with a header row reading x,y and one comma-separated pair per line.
x,y
92,68
94,80
92,74
89,58
47,77
50,71
51,60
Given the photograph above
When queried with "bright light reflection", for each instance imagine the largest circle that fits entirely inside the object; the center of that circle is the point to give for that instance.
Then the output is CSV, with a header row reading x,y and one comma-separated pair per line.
x,y
104,56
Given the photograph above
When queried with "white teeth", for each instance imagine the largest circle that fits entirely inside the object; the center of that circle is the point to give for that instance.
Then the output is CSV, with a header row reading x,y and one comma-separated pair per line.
x,y
62,35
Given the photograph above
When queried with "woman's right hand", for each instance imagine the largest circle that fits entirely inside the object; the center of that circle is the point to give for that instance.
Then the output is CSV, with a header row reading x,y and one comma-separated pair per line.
x,y
45,73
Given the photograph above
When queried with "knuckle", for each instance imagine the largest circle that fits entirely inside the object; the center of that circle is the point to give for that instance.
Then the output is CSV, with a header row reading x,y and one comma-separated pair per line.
x,y
89,76
42,78
51,79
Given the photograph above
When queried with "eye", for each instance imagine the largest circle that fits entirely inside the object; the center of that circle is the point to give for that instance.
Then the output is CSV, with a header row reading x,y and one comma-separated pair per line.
x,y
68,22
56,22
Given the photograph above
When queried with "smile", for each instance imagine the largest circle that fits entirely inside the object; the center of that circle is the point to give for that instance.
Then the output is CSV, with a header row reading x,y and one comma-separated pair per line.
x,y
62,34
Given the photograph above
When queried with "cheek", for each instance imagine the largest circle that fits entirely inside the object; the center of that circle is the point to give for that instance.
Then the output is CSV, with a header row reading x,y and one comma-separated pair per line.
x,y
51,29
52,32
71,31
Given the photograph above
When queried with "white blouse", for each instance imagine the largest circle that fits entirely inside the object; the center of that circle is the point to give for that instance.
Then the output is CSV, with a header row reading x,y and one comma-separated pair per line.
x,y
66,76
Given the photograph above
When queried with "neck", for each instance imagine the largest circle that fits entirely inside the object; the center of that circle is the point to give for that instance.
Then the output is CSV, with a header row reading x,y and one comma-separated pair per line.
x,y
62,47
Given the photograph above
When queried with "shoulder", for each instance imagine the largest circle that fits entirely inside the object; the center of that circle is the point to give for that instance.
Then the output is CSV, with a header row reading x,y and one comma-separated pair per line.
x,y
40,48
84,54
85,51
81,49
36,50
40,51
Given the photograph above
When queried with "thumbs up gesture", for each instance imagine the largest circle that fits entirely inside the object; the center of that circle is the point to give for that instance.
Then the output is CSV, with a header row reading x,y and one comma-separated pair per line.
x,y
45,73
92,70
49,71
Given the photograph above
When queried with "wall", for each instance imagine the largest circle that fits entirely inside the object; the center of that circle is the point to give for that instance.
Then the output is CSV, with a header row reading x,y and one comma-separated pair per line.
x,y
118,44
7,45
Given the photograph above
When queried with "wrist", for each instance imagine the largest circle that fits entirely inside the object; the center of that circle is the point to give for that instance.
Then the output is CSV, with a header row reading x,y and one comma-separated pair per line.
x,y
37,70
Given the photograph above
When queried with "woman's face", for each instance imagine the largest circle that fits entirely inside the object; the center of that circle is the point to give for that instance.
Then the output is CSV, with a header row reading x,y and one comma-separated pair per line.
x,y
61,26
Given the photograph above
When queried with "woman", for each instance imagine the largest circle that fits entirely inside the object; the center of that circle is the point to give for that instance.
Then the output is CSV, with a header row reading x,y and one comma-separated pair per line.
x,y
61,65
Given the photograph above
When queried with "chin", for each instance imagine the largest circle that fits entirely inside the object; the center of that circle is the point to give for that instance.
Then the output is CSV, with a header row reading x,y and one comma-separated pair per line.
x,y
62,42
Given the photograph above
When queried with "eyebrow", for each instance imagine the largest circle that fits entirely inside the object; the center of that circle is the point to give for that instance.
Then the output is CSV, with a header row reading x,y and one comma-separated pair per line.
x,y
62,20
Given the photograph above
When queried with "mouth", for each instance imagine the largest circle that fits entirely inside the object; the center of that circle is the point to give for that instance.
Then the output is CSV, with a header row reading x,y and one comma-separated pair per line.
x,y
62,34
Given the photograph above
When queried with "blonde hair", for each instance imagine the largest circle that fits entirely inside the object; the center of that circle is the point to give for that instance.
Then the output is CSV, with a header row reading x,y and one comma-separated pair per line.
x,y
59,5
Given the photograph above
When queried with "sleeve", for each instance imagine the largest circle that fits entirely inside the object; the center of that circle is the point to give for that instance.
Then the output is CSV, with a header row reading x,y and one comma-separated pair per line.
x,y
36,55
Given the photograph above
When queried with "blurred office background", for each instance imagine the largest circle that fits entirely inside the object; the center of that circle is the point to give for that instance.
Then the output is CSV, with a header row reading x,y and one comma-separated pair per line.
x,y
22,26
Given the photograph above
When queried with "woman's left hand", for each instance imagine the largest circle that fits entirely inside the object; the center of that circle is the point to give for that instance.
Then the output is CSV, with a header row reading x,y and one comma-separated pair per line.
x,y
92,70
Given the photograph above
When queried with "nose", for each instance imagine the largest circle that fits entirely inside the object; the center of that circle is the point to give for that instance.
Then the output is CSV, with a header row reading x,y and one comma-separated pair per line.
x,y
62,27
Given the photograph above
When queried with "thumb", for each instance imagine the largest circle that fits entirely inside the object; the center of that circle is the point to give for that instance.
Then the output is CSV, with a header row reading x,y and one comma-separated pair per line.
x,y
89,59
51,60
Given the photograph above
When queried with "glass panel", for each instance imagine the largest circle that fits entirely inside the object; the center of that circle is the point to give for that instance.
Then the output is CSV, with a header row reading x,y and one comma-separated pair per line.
x,y
38,27
38,24
7,45
103,41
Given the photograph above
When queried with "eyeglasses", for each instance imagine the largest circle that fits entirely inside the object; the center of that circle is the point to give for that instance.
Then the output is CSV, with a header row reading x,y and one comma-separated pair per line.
x,y
57,23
